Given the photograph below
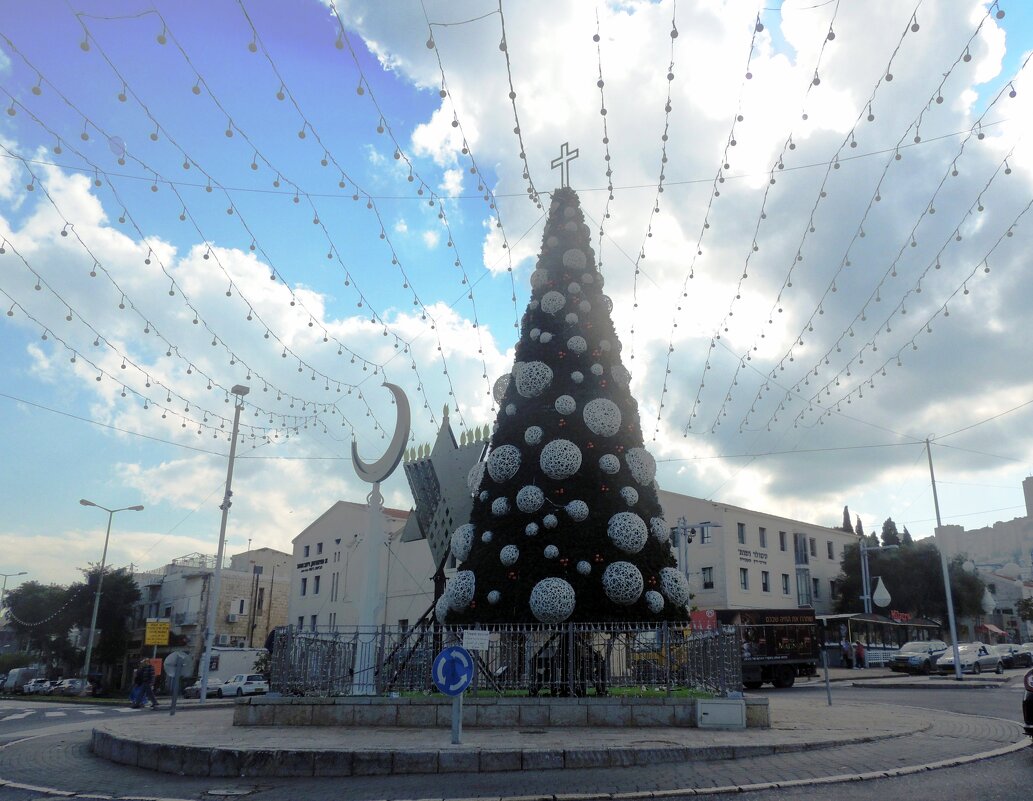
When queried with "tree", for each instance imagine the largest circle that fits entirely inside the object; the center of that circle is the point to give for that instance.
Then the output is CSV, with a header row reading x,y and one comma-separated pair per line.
x,y
889,532
846,520
566,523
1024,609
41,616
906,538
859,528
119,594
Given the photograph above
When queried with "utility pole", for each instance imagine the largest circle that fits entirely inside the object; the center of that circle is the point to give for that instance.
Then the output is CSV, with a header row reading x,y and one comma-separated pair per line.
x,y
945,568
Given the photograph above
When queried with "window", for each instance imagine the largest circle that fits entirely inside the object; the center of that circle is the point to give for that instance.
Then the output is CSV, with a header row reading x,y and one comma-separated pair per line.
x,y
832,588
762,534
261,599
168,611
742,533
705,535
403,624
785,583
319,548
814,546
817,588
315,585
307,547
242,606
781,540
315,622
803,587
831,549
304,587
744,578
301,622
765,581
800,548
708,578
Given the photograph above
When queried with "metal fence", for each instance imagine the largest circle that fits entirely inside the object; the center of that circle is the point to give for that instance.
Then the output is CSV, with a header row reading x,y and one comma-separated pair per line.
x,y
571,659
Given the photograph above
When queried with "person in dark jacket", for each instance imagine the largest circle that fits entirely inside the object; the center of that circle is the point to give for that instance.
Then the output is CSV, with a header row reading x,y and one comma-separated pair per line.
x,y
143,685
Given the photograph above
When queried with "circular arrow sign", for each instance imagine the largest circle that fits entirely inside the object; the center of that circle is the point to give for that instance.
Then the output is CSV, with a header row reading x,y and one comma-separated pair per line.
x,y
453,670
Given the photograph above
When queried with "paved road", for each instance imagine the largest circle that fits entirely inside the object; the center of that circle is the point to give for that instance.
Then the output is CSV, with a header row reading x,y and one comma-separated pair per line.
x,y
59,757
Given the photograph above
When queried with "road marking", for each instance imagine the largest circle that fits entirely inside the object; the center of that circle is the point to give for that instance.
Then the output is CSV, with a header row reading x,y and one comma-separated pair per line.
x,y
18,715
55,714
92,711
123,709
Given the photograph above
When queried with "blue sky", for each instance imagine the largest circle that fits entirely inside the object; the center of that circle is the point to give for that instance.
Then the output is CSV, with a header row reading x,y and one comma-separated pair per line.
x,y
54,456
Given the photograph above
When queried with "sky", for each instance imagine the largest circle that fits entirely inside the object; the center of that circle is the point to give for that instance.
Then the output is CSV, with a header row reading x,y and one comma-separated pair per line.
x,y
814,245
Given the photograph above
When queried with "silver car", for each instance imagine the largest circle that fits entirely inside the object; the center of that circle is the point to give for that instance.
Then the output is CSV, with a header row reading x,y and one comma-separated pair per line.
x,y
975,658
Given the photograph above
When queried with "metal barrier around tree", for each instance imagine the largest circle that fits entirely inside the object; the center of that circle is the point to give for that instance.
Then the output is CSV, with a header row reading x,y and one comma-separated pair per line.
x,y
572,659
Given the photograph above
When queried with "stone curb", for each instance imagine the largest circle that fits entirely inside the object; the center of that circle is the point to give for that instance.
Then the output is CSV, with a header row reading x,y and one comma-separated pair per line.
x,y
958,685
217,762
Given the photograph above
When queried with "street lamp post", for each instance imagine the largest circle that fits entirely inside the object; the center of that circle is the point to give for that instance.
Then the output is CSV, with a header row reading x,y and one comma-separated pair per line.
x,y
213,596
100,578
866,577
3,591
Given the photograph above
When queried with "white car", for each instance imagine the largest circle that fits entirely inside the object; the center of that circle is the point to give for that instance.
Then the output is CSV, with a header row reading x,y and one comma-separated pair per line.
x,y
37,687
243,684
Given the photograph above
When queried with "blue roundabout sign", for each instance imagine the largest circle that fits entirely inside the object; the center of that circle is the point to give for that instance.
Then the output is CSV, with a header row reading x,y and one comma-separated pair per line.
x,y
453,670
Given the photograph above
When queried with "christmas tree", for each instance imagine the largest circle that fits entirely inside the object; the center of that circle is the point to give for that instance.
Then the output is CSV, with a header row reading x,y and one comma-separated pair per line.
x,y
566,523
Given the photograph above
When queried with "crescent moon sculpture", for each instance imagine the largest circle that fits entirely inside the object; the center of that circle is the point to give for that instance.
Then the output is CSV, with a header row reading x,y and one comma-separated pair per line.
x,y
386,464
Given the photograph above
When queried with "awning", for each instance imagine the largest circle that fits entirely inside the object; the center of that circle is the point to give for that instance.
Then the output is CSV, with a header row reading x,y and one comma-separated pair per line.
x,y
992,629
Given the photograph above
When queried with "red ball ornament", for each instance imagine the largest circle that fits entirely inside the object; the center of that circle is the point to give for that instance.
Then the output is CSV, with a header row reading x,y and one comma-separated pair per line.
x,y
597,558
589,445
562,354
564,561
602,382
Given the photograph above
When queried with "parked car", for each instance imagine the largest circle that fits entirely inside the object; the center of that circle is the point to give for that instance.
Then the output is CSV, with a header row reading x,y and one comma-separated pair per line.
x,y
975,658
1027,703
37,687
244,684
194,690
919,656
1025,657
1012,655
71,687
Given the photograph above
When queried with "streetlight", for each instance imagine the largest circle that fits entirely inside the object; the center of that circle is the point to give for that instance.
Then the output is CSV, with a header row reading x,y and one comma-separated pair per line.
x,y
3,591
682,534
100,577
866,577
213,597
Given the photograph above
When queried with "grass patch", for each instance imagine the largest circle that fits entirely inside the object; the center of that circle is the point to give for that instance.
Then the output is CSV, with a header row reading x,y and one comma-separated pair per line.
x,y
613,692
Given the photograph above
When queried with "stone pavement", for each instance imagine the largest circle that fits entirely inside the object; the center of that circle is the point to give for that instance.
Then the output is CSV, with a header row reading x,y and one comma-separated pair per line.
x,y
809,742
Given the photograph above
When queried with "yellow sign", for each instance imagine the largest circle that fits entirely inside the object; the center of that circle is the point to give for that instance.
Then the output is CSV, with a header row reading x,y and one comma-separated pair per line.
x,y
157,632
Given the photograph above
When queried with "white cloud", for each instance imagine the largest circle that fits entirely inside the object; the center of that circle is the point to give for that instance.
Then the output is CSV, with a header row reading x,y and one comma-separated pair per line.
x,y
431,239
401,226
452,185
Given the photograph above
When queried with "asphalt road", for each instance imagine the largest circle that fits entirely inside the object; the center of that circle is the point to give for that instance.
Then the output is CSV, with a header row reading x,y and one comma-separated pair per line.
x,y
63,738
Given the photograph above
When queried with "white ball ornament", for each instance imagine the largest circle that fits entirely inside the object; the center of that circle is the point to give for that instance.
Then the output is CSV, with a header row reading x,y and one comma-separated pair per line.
x,y
475,477
494,597
622,583
565,404
441,609
658,528
498,390
621,375
609,464
511,409
574,288
584,307
460,590
654,601
584,568
552,600
597,369
551,242
553,301
533,435
462,539
500,507
602,416
539,278
575,259
550,521
503,462
569,212
560,459
608,304
531,529
630,495
483,496
577,344
530,499
533,377
571,319
674,585
545,338
587,278
532,305
487,536
577,511
551,552
535,333
577,376
642,465
627,531
509,555
604,345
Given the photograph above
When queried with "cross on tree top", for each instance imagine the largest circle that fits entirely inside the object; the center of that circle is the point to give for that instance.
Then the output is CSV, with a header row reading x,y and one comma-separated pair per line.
x,y
563,162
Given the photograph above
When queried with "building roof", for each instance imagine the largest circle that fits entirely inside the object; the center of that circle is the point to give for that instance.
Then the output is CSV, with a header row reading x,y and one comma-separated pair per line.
x,y
392,514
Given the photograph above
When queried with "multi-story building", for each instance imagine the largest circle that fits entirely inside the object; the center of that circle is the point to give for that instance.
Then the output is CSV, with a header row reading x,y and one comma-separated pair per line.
x,y
253,596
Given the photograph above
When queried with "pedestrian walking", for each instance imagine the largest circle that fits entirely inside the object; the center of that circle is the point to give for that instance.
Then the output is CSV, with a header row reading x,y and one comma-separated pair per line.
x,y
848,653
143,686
858,655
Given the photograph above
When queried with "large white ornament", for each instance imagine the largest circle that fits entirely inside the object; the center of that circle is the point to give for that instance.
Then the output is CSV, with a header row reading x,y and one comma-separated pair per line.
x,y
602,416
597,369
655,601
577,344
571,318
622,583
550,521
509,555
675,586
621,375
494,597
584,307
565,404
441,608
604,345
533,435
658,528
577,376
551,552
608,303
511,409
609,463
533,378
630,495
531,529
530,499
539,278
642,465
487,536
503,463
552,600
462,539
500,507
546,338
574,288
460,590
483,496
627,531
575,259
560,459
535,333
587,278
551,242
578,511
475,477
584,568
498,391
553,301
